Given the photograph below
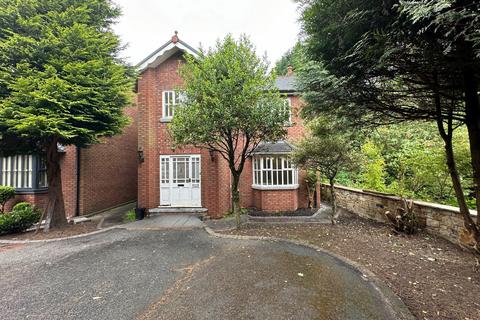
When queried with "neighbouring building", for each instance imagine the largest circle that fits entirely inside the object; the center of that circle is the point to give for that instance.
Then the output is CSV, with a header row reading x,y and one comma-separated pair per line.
x,y
172,179
96,178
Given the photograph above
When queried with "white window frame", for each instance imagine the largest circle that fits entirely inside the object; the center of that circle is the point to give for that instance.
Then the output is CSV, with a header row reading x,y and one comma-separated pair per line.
x,y
288,104
168,107
23,172
266,169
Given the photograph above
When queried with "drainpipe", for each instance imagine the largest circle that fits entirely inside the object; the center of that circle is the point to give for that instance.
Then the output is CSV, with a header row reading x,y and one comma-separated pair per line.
x,y
77,182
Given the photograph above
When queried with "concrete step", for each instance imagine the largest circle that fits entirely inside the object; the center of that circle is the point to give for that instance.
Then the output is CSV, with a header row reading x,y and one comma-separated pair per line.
x,y
192,211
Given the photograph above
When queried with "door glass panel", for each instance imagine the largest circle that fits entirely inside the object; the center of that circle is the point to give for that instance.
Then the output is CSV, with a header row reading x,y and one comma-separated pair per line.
x,y
181,169
195,170
165,169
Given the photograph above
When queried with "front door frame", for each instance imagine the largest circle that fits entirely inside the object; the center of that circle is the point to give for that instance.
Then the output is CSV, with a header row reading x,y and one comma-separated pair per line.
x,y
170,183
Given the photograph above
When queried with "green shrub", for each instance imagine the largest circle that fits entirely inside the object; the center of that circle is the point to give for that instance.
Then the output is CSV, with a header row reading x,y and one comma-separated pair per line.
x,y
6,193
23,216
129,216
21,206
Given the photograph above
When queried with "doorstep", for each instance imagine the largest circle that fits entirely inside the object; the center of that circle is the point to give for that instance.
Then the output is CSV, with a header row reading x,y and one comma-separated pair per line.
x,y
193,211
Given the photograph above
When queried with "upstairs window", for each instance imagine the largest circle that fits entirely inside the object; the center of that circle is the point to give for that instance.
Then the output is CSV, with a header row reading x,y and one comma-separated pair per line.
x,y
288,109
274,171
169,100
23,172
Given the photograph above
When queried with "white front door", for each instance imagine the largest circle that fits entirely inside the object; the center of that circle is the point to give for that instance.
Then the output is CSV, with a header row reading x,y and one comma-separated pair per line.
x,y
180,181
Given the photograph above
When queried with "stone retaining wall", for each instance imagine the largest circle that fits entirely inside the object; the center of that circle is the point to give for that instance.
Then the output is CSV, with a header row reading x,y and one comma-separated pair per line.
x,y
442,220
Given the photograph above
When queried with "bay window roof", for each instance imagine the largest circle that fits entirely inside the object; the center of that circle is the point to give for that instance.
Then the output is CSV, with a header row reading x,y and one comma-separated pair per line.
x,y
280,147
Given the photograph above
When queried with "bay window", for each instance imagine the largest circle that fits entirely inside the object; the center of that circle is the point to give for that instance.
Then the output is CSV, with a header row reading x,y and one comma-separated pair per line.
x,y
276,172
23,172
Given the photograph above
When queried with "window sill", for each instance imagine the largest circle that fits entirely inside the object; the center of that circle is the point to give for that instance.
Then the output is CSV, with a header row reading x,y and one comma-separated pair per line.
x,y
289,187
31,191
164,120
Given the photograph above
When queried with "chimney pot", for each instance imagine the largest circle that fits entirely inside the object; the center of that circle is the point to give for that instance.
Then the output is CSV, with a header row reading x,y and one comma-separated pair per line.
x,y
289,70
175,37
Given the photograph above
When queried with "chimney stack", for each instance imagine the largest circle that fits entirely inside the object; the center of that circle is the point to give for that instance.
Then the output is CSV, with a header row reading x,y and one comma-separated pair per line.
x,y
289,70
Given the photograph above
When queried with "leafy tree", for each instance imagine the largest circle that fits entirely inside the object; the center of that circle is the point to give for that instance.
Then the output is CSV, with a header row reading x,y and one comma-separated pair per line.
x,y
452,27
293,57
386,62
373,168
329,150
231,105
62,81
415,161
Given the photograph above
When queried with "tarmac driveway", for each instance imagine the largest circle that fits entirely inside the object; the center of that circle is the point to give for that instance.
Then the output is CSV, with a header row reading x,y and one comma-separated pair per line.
x,y
181,274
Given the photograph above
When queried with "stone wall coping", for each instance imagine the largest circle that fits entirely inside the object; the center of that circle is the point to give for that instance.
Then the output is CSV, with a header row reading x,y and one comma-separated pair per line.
x,y
393,197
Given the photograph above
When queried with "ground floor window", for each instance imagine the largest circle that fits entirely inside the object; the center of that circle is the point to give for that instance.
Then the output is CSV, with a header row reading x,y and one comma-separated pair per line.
x,y
23,172
274,171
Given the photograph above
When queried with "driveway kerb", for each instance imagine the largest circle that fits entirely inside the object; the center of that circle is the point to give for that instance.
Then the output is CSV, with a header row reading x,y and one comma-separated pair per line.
x,y
158,228
394,305
125,226
60,239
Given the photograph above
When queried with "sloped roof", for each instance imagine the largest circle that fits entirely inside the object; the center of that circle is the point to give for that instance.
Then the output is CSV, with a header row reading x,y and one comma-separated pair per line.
x,y
286,83
164,52
280,147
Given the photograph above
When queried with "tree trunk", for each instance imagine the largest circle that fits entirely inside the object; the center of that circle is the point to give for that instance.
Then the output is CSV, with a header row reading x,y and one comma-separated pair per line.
x,y
457,187
236,198
311,194
334,201
447,136
472,113
55,215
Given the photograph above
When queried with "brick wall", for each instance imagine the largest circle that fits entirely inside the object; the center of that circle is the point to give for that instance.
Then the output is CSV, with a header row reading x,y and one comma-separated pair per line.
x,y
276,200
68,165
39,199
222,189
297,130
108,172
442,220
246,181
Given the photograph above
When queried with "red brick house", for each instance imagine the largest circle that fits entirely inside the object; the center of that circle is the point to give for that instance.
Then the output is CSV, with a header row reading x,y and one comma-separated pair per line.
x,y
96,178
172,179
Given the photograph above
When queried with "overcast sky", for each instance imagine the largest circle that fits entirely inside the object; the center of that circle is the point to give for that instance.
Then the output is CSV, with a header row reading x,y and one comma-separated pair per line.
x,y
147,24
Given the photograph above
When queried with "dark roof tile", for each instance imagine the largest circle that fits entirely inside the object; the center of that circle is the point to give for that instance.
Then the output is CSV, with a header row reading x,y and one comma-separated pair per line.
x,y
286,83
281,147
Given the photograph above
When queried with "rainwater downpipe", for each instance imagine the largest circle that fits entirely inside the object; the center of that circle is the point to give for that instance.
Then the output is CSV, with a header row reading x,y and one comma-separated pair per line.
x,y
77,182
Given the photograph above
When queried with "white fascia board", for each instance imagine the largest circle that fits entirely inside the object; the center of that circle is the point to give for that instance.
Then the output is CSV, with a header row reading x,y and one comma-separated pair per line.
x,y
163,53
